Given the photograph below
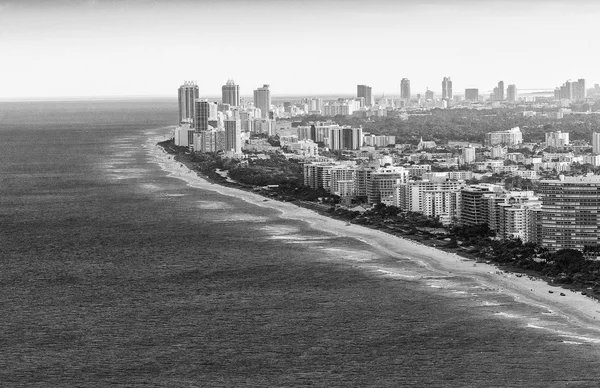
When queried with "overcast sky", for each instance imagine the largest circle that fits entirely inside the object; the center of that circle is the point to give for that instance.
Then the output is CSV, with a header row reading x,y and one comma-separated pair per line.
x,y
71,48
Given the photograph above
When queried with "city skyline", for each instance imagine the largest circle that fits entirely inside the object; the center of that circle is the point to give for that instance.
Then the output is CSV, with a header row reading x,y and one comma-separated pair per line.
x,y
144,48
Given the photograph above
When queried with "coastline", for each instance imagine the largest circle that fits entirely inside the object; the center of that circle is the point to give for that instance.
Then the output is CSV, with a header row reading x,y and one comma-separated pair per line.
x,y
575,307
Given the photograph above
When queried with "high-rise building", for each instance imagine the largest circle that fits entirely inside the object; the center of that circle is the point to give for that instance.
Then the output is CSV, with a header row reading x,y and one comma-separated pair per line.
x,y
429,94
382,187
570,212
434,198
233,136
364,91
405,89
230,93
474,204
571,90
596,143
352,138
499,95
202,115
188,94
262,100
511,94
446,88
579,92
472,94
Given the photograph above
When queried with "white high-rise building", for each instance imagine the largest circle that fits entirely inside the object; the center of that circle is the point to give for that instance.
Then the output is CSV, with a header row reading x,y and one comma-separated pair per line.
x,y
596,143
434,198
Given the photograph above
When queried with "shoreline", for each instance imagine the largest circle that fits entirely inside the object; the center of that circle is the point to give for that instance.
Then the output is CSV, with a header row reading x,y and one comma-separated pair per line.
x,y
582,310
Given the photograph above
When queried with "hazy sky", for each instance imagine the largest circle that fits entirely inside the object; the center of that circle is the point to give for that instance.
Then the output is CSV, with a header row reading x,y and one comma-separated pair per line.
x,y
149,47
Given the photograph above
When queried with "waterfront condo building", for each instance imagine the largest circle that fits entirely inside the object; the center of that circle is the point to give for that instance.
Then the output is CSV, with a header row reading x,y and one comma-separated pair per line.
x,y
187,96
230,93
570,212
474,203
262,101
318,175
433,198
382,186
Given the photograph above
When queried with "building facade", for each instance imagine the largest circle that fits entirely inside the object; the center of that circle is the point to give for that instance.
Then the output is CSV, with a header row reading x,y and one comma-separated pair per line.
x,y
364,91
446,88
187,95
570,212
262,101
230,93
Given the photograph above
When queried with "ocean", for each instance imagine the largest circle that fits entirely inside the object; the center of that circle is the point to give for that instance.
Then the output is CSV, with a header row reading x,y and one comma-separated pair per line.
x,y
114,271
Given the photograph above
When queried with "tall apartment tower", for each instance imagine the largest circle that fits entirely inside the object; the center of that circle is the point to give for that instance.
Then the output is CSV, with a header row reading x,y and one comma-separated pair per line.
x,y
511,94
446,88
579,90
262,100
405,89
230,93
188,94
202,115
500,91
364,91
233,136
570,217
596,143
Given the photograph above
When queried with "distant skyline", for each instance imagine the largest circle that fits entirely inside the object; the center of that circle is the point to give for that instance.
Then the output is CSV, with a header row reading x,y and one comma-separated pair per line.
x,y
95,48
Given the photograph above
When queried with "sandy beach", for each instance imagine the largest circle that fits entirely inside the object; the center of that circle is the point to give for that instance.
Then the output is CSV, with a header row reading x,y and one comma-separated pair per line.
x,y
580,310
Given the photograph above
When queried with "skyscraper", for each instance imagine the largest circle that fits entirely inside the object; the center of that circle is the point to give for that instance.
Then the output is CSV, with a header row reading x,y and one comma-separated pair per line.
x,y
202,114
596,143
405,89
446,88
230,93
499,92
571,90
511,94
188,94
429,94
364,91
233,140
262,100
579,90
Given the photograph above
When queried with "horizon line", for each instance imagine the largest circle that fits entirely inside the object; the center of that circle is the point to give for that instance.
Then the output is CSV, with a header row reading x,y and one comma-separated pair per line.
x,y
174,96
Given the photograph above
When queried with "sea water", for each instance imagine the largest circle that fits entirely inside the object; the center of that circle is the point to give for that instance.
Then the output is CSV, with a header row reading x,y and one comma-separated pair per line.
x,y
115,271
